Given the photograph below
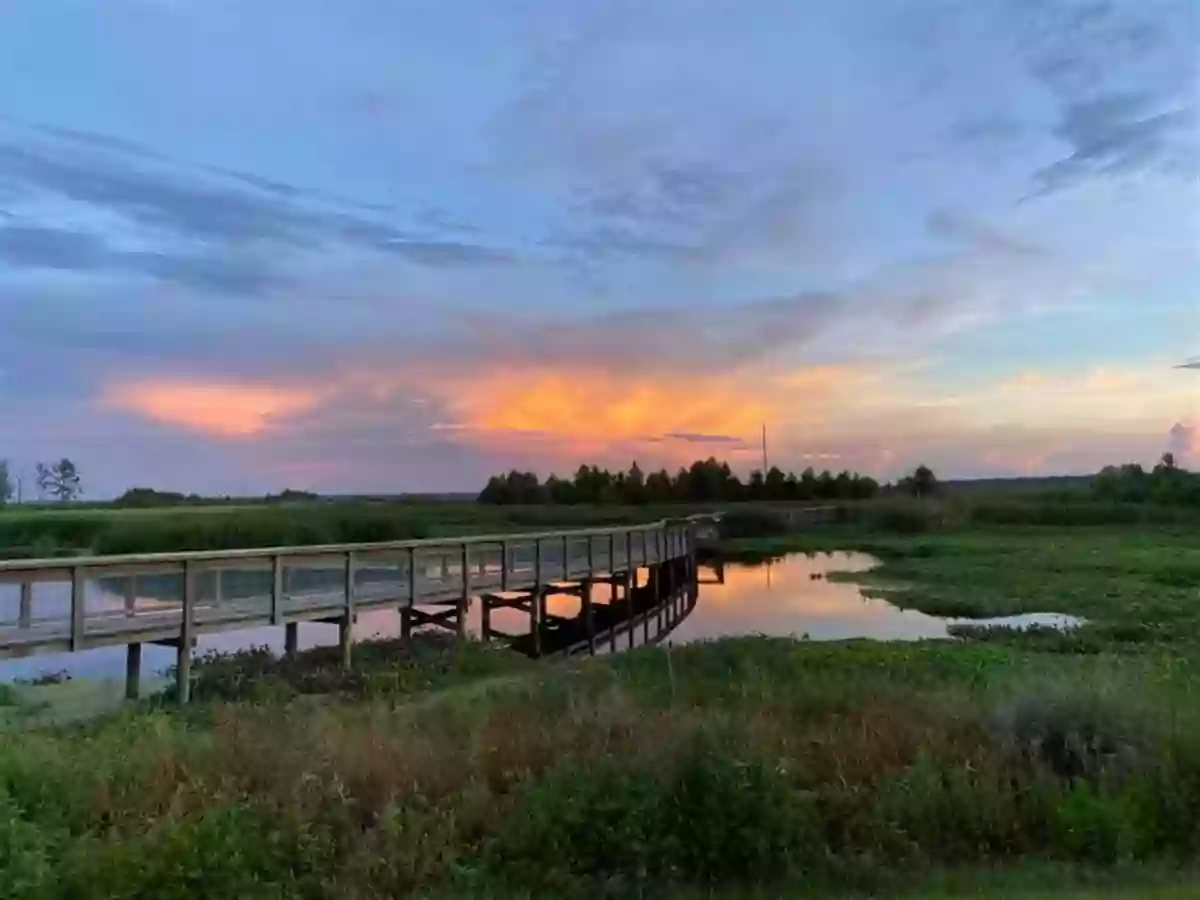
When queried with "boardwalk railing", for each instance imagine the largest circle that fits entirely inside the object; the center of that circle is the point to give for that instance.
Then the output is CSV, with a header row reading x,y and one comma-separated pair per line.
x,y
75,604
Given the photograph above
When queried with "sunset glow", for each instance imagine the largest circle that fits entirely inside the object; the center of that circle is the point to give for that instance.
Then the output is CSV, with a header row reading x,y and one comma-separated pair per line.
x,y
569,233
218,409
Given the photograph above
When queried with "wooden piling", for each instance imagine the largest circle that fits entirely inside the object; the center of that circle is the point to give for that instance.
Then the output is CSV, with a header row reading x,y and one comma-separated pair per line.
x,y
183,649
25,615
133,671
589,616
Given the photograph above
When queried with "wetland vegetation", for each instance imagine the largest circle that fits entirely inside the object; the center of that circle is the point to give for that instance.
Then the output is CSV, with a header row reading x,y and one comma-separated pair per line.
x,y
1007,764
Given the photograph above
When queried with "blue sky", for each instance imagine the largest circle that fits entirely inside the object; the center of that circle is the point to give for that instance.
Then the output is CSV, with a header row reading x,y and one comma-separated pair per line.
x,y
382,245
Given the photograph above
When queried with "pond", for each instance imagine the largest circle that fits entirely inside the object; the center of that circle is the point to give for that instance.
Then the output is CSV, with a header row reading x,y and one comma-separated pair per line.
x,y
788,597
792,596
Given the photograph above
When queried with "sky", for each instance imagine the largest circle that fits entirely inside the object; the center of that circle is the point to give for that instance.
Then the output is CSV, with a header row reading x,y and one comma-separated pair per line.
x,y
387,245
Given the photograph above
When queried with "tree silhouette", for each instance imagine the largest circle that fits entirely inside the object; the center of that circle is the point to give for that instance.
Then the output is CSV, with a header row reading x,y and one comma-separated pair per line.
x,y
60,480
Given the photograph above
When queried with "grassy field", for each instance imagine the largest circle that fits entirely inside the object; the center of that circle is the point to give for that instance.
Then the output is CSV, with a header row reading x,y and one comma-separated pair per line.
x,y
46,531
778,765
1006,765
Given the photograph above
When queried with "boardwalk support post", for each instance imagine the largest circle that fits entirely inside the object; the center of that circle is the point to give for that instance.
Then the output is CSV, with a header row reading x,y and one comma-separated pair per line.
x,y
25,615
133,671
183,649
464,602
346,622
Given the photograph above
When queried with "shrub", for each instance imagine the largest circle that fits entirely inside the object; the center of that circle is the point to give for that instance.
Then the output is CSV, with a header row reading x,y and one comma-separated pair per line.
x,y
751,522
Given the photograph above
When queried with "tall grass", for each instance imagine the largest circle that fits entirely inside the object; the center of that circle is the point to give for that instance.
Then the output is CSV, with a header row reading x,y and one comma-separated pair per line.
x,y
762,762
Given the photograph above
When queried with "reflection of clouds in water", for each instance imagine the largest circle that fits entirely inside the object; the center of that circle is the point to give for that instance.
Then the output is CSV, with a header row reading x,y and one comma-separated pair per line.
x,y
783,598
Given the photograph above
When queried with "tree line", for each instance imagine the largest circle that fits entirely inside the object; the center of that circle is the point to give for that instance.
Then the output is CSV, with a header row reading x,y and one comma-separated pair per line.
x,y
1167,483
705,481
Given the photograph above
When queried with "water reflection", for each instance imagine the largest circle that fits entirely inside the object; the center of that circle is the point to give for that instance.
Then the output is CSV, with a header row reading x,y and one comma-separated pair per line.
x,y
793,597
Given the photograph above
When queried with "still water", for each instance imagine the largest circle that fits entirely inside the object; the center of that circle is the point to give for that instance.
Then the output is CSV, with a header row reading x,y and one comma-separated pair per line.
x,y
789,597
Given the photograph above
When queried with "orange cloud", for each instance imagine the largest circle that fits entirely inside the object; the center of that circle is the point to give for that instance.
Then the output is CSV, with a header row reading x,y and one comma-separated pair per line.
x,y
580,411
225,409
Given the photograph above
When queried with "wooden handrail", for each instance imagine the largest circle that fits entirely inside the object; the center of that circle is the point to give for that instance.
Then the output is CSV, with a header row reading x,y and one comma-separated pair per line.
x,y
67,563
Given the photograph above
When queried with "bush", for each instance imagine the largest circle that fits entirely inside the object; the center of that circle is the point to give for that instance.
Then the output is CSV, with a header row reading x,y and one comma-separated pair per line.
x,y
751,522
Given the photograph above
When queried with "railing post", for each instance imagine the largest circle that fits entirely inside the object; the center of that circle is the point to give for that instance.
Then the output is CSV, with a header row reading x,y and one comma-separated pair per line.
x,y
535,600
183,650
503,566
406,609
78,606
612,608
612,553
566,558
465,601
291,630
588,618
346,624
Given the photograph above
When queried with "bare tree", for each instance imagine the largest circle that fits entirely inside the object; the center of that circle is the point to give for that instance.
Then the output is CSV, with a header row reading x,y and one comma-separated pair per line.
x,y
60,480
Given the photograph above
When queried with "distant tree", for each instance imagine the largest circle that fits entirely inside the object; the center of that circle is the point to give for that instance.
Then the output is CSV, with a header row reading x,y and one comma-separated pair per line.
x,y
756,486
704,481
658,487
496,491
1167,463
922,482
808,485
6,484
60,480
774,483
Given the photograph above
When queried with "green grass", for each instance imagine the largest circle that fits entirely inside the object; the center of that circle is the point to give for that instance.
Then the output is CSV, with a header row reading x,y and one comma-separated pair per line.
x,y
741,765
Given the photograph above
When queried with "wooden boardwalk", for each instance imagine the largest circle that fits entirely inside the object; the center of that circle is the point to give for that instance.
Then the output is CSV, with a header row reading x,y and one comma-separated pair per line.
x,y
75,604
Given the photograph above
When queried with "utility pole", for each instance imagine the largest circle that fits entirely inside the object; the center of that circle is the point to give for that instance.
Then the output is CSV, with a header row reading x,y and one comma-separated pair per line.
x,y
764,450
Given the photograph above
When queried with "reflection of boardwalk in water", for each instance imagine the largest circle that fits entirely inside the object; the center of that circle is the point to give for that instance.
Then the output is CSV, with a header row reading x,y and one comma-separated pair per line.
x,y
613,611
71,605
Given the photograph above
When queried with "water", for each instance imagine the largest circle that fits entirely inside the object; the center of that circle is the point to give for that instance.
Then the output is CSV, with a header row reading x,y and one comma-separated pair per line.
x,y
790,597
793,598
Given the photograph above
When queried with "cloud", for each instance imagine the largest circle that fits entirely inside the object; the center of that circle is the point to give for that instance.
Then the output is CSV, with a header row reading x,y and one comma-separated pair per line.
x,y
692,437
199,205
52,248
1183,441
447,253
36,247
1123,133
221,409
